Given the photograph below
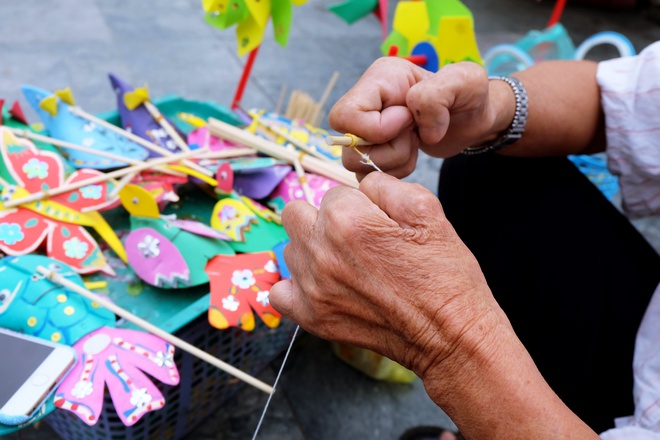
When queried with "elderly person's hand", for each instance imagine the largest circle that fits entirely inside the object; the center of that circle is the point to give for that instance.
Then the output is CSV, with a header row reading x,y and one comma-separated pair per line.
x,y
382,268
401,108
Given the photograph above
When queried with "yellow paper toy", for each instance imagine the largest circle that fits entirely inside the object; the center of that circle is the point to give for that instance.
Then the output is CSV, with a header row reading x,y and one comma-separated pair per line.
x,y
251,18
433,33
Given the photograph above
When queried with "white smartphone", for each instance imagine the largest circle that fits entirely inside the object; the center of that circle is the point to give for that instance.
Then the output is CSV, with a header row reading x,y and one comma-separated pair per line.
x,y
30,370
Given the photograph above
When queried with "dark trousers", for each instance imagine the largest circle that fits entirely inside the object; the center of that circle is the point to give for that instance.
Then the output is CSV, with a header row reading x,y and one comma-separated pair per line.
x,y
572,274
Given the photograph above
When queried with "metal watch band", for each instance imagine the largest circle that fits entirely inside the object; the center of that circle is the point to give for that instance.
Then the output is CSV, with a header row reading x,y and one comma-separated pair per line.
x,y
517,127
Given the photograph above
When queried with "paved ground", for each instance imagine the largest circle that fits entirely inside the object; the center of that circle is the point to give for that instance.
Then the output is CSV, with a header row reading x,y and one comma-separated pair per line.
x,y
76,43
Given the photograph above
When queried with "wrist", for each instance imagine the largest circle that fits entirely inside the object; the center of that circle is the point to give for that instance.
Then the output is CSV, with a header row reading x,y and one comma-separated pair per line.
x,y
508,106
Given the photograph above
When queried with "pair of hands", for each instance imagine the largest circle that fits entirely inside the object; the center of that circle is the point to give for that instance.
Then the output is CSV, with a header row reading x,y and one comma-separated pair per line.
x,y
381,267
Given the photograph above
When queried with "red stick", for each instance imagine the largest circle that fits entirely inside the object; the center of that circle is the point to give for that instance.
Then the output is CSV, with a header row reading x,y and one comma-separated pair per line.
x,y
244,78
418,60
556,13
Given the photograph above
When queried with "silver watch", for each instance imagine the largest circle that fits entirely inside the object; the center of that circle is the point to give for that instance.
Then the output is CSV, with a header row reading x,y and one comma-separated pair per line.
x,y
517,127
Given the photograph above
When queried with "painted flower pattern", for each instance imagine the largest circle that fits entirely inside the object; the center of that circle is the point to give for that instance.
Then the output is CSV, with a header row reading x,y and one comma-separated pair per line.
x,y
164,359
82,389
75,248
11,233
92,192
140,398
230,303
35,169
25,228
150,247
271,267
263,297
243,278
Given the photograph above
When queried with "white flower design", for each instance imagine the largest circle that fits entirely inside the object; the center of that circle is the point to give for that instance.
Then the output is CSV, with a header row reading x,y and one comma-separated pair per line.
x,y
243,278
88,127
230,303
140,398
164,359
82,389
271,266
263,297
75,248
150,247
88,142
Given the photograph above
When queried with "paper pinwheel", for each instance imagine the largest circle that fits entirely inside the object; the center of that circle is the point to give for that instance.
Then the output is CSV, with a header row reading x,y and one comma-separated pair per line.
x,y
251,18
239,285
61,123
291,189
136,118
164,251
107,356
59,219
432,33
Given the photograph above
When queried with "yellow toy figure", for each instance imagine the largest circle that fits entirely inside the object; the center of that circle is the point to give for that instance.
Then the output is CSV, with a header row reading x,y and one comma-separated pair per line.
x,y
432,33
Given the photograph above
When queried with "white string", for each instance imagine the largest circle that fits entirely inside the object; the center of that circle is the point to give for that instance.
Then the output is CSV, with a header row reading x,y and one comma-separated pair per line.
x,y
277,379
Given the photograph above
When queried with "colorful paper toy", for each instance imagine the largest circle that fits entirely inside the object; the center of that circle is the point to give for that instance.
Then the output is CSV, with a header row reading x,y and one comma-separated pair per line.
x,y
60,219
137,119
432,33
15,118
107,356
164,251
291,189
61,123
251,226
251,18
239,285
259,183
353,10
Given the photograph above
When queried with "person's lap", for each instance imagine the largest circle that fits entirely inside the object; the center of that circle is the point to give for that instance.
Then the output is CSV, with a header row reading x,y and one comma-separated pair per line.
x,y
569,270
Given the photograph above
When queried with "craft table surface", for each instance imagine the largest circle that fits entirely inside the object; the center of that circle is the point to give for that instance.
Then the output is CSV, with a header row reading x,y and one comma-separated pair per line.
x,y
166,44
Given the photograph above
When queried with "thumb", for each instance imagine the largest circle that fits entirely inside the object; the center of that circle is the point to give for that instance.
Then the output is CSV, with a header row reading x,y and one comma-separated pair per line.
x,y
409,204
281,297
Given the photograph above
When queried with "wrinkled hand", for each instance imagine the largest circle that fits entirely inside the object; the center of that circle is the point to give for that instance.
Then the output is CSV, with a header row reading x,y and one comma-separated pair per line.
x,y
382,268
401,108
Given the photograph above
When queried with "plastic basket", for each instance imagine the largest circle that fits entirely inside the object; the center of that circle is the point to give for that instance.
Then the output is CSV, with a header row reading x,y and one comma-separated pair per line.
x,y
202,388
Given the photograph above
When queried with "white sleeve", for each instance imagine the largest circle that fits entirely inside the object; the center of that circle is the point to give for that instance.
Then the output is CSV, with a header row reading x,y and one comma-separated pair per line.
x,y
630,94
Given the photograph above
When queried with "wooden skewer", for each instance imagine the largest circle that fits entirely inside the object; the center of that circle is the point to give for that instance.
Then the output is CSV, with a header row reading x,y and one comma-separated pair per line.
x,y
300,172
4,183
135,138
158,116
227,153
311,164
64,144
280,101
108,176
121,184
315,119
297,142
174,340
344,141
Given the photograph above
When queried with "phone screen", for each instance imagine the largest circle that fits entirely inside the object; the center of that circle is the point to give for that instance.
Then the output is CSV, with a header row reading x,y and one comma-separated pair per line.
x,y
19,360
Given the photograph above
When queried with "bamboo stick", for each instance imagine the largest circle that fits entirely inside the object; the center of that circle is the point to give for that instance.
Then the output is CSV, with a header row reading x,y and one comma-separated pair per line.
x,y
280,101
227,153
163,122
314,119
108,176
344,141
135,138
174,340
297,142
121,184
300,172
311,164
64,144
